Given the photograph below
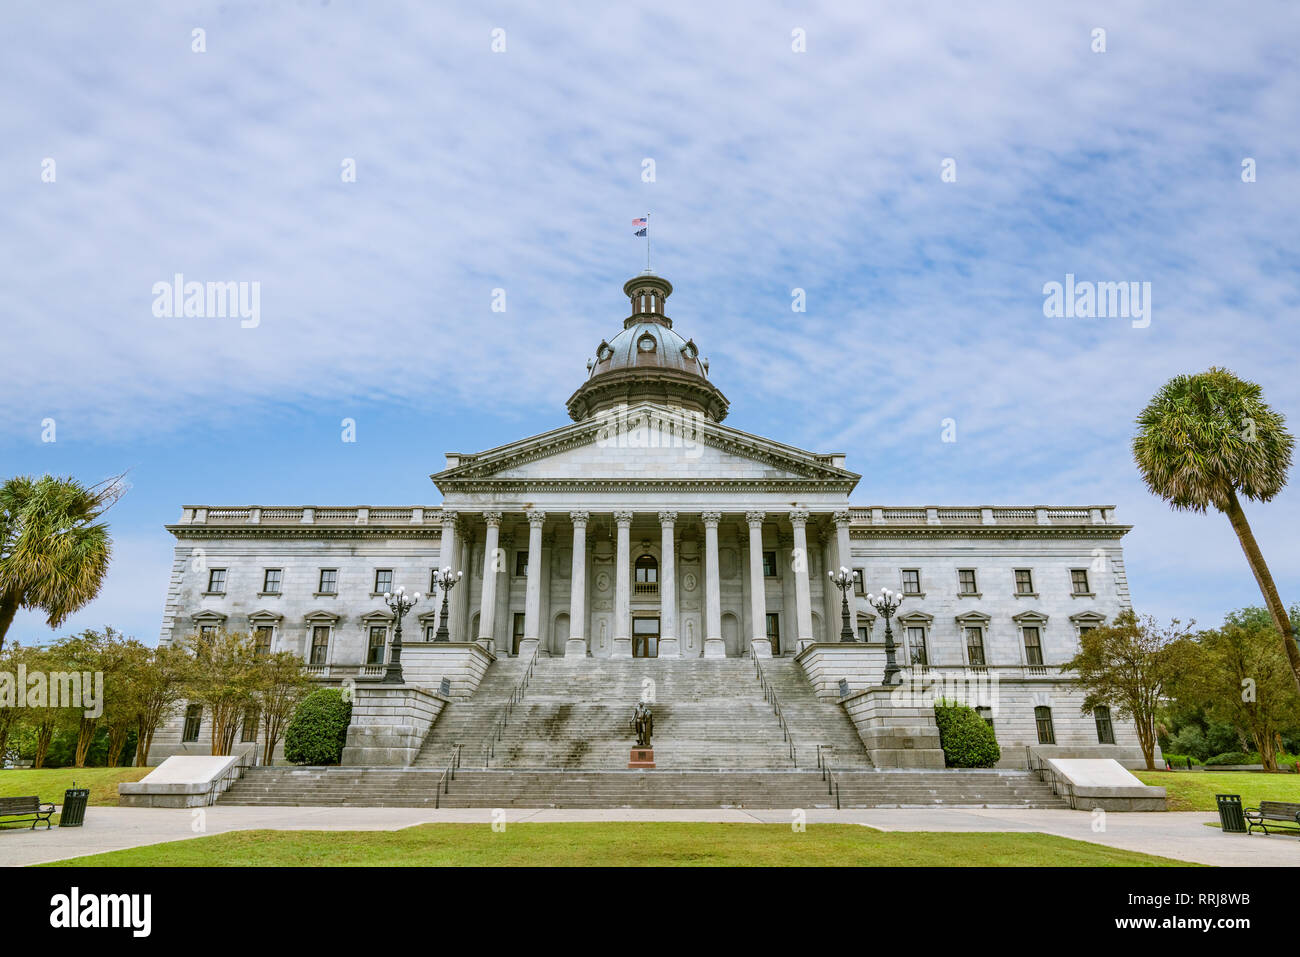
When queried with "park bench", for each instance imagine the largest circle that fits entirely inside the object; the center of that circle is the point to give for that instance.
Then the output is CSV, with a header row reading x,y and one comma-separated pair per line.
x,y
1283,815
24,808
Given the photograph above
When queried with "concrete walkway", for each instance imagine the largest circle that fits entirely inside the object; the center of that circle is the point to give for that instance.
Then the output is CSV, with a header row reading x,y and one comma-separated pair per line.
x,y
1179,835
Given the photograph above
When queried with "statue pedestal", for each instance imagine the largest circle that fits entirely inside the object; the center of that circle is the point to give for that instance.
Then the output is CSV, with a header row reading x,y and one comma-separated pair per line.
x,y
641,759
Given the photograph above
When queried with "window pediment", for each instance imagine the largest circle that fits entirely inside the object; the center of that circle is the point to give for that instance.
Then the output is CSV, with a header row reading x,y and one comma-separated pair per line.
x,y
1030,618
973,618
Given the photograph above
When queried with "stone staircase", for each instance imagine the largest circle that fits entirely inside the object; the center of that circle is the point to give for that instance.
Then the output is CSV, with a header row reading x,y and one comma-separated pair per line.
x,y
717,744
418,787
709,715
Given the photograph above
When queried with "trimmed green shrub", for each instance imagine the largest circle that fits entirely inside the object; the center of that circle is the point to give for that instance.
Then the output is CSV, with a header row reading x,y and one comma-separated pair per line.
x,y
1232,757
966,740
319,728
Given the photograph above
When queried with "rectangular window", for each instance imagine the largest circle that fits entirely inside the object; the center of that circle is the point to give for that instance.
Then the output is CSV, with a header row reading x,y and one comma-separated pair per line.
x,y
193,719
1043,719
864,632
217,581
271,581
521,564
769,564
986,713
1033,646
1084,629
859,582
430,632
916,646
329,581
911,581
1105,730
1024,582
207,631
966,581
975,646
375,649
1079,580
774,632
383,580
249,730
433,581
320,644
262,641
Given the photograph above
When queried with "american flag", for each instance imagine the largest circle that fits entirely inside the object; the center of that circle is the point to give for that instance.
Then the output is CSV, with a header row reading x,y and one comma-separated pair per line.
x,y
641,225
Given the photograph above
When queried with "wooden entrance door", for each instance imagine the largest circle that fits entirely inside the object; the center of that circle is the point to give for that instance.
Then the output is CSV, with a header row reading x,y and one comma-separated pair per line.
x,y
645,637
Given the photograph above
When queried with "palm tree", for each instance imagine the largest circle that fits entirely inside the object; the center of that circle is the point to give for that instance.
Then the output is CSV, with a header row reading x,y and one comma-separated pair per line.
x,y
1205,438
54,551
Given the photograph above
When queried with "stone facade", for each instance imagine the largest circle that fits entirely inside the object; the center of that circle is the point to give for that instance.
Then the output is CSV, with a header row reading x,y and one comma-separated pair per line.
x,y
650,528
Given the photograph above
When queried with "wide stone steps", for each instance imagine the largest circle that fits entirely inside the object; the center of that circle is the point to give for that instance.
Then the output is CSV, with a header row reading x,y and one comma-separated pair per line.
x,y
709,714
355,787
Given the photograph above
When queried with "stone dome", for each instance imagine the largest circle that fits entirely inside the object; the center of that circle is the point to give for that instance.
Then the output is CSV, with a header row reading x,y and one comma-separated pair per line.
x,y
648,360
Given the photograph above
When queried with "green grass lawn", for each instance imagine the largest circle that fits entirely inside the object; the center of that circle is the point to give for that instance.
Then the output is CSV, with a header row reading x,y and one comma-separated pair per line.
x,y
48,784
1195,790
622,844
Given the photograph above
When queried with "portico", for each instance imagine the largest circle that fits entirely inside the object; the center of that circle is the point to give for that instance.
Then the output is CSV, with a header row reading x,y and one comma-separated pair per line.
x,y
703,583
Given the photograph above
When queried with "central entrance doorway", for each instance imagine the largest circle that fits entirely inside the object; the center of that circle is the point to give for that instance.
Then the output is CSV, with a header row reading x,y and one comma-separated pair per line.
x,y
645,637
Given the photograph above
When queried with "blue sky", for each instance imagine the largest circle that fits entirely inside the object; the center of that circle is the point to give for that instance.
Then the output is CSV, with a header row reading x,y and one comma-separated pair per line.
x,y
522,170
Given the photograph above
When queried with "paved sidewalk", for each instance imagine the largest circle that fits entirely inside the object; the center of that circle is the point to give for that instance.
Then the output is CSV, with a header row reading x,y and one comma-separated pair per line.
x,y
1179,835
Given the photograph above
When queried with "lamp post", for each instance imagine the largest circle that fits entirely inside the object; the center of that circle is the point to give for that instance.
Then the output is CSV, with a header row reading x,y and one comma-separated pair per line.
x,y
844,581
886,603
446,581
399,604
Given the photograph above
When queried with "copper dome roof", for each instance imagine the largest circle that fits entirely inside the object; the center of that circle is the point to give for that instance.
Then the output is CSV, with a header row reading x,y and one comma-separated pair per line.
x,y
648,360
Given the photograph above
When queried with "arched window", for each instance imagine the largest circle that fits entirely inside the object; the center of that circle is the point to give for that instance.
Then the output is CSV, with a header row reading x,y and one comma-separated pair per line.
x,y
647,576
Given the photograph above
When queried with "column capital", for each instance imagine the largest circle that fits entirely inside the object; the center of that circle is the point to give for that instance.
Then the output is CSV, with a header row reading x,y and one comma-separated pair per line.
x,y
579,518
710,519
755,518
623,518
493,518
450,520
841,517
799,517
536,517
668,518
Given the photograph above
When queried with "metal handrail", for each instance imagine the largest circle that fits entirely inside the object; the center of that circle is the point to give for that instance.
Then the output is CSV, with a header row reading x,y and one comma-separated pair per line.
x,y
769,695
448,775
1062,787
516,695
215,790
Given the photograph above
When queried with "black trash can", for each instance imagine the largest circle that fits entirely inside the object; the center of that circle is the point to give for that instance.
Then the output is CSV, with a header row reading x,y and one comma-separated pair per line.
x,y
1232,818
74,807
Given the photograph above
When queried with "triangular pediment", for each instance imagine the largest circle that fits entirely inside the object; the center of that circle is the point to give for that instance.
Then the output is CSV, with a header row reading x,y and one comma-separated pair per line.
x,y
646,442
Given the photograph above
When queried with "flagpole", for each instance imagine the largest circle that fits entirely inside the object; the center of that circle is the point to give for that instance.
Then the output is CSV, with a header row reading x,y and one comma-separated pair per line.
x,y
647,242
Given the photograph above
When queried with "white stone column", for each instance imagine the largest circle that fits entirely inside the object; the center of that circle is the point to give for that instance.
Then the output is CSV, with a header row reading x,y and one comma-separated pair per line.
x,y
623,588
488,600
669,641
843,548
448,558
576,646
714,645
757,587
533,594
802,595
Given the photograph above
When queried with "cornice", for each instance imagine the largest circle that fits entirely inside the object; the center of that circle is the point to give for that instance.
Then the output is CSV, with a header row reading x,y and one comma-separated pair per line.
x,y
989,531
304,531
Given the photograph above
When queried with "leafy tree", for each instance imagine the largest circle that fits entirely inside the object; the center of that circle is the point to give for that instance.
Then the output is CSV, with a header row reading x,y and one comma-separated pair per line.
x,y
1127,665
157,680
1239,674
54,550
85,655
224,680
1205,438
282,685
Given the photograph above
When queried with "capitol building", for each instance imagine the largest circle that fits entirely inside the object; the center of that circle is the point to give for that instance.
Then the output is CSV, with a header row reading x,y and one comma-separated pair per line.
x,y
647,528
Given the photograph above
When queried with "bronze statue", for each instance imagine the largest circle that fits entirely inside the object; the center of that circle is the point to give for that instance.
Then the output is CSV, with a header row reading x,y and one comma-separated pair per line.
x,y
643,723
